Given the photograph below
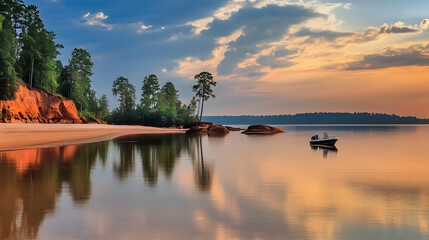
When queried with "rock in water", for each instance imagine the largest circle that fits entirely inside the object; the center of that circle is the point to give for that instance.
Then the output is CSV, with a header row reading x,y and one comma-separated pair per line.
x,y
37,106
218,130
262,130
232,129
198,130
205,124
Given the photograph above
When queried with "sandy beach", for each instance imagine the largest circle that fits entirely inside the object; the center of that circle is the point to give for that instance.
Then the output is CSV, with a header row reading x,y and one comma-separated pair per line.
x,y
16,136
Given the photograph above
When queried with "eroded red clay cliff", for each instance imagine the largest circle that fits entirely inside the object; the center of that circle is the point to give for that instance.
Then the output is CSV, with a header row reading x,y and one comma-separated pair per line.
x,y
35,106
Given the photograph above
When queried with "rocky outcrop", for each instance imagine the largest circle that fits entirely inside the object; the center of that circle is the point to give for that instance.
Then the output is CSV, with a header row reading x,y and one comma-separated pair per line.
x,y
262,130
204,124
176,127
233,129
198,130
208,128
36,106
218,130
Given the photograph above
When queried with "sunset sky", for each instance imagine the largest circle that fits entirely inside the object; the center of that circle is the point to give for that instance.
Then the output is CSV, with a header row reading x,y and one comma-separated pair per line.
x,y
268,56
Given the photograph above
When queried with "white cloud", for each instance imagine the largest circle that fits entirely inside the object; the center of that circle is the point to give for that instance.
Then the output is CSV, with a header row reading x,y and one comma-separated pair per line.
x,y
200,24
347,5
232,6
222,13
143,28
97,20
424,24
231,38
164,70
190,65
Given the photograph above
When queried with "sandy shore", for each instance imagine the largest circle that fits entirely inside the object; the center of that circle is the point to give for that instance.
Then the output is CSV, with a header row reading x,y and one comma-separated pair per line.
x,y
24,136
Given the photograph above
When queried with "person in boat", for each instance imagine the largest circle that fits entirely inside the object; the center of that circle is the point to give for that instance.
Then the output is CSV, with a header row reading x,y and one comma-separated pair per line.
x,y
315,137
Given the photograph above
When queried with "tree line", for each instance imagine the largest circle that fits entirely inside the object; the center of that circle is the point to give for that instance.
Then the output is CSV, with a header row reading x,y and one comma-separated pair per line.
x,y
28,54
159,105
318,118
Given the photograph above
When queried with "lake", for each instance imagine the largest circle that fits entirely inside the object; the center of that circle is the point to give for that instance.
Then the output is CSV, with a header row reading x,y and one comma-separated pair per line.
x,y
375,185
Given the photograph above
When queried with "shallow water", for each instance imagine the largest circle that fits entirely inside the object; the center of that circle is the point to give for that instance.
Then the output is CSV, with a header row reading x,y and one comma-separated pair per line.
x,y
374,186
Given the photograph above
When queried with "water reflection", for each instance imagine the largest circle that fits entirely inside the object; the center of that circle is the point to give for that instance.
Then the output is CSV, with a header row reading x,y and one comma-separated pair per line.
x,y
32,180
331,150
159,154
166,187
203,171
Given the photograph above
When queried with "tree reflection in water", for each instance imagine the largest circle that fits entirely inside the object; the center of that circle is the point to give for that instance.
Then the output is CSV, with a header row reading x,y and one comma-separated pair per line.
x,y
31,181
203,171
159,154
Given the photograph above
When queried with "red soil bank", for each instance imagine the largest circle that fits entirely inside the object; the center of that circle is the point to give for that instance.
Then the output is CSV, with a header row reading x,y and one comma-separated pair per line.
x,y
36,106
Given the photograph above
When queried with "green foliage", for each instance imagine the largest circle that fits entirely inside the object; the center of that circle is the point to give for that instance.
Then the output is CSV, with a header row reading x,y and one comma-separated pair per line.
x,y
38,50
126,92
160,107
75,83
2,18
150,90
29,51
103,107
203,89
7,71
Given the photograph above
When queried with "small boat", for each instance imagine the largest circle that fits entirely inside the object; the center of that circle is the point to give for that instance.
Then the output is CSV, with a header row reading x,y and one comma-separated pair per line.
x,y
325,141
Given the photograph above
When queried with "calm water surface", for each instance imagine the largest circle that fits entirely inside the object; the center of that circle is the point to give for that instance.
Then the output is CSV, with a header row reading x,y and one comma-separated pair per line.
x,y
374,186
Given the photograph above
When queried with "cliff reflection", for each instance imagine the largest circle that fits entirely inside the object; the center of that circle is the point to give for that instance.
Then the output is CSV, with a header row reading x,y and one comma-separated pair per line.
x,y
31,181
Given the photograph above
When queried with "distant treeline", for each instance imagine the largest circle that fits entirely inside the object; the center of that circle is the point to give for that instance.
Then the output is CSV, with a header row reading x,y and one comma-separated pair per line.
x,y
317,118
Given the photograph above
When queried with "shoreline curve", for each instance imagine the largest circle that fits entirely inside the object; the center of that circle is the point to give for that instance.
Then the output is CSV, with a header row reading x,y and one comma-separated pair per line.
x,y
21,136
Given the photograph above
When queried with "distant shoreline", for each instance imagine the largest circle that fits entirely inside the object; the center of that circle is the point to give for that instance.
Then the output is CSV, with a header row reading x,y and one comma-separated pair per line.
x,y
316,118
19,136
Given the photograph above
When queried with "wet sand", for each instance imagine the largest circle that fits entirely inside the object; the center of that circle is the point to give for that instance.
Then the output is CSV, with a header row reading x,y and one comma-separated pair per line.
x,y
16,136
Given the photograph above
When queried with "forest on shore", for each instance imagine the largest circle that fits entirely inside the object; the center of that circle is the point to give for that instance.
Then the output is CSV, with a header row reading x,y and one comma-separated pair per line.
x,y
317,118
28,56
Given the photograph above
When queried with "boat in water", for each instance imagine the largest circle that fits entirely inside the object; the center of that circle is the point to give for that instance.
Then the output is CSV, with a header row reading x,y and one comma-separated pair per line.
x,y
325,141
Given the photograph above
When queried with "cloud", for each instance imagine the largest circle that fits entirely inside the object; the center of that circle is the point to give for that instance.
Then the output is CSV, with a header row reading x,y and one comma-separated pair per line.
x,y
398,27
424,24
340,39
259,27
273,62
222,13
373,33
97,20
142,28
328,35
347,5
415,55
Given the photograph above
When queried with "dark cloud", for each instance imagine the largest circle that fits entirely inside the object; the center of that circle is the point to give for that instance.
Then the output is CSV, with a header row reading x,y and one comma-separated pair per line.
x,y
398,27
326,34
277,59
416,55
284,52
340,39
260,26
273,62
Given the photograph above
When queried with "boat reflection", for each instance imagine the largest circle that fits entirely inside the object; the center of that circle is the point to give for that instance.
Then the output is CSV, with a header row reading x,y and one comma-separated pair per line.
x,y
326,149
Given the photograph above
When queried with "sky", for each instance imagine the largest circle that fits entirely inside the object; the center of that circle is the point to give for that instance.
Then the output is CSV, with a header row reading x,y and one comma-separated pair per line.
x,y
268,56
